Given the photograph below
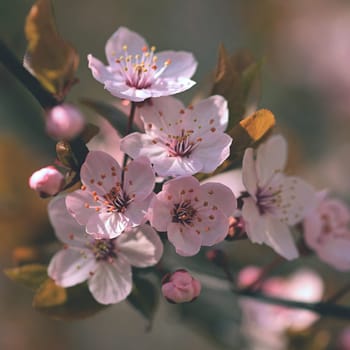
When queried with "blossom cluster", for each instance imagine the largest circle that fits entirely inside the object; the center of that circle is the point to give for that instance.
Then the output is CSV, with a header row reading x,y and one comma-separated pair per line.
x,y
116,220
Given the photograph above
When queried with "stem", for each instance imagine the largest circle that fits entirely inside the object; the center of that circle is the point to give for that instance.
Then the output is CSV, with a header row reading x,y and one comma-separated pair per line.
x,y
322,308
339,294
13,65
129,127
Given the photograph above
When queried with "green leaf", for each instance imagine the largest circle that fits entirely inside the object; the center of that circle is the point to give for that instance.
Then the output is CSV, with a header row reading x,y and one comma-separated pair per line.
x,y
144,297
49,58
66,304
117,118
31,276
235,76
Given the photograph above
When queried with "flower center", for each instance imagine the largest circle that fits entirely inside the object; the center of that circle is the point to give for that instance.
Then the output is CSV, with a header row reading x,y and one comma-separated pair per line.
x,y
117,200
140,71
104,249
180,146
183,213
268,199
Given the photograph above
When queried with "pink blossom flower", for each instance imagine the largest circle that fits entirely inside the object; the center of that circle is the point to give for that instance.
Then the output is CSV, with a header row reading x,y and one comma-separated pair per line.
x,y
105,263
326,230
47,181
136,73
111,200
182,141
303,285
192,214
64,122
180,287
274,201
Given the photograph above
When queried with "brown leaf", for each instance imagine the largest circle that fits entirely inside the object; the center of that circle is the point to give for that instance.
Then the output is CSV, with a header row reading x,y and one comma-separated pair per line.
x,y
51,59
49,294
31,276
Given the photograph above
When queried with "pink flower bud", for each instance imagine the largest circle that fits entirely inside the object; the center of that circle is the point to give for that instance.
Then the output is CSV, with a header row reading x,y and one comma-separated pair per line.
x,y
64,122
47,181
180,287
344,339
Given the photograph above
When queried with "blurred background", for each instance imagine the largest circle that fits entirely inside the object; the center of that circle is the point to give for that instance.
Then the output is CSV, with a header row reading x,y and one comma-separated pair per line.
x,y
305,81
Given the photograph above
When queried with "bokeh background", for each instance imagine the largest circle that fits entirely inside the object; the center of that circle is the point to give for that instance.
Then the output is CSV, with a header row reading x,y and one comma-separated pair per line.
x,y
305,81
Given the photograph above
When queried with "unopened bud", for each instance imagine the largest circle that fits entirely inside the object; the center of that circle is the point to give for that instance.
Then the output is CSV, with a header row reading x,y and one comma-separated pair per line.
x,y
180,287
47,181
64,122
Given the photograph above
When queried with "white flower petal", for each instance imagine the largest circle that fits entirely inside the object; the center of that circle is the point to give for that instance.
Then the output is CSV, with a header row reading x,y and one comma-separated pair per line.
x,y
297,198
254,223
123,36
122,90
249,176
140,246
101,72
168,86
66,228
76,204
100,172
271,158
185,240
160,214
109,225
183,64
335,252
137,210
71,266
280,238
111,282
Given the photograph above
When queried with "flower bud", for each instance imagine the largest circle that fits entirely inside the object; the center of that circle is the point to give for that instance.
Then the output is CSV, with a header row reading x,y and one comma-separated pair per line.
x,y
180,287
64,122
47,181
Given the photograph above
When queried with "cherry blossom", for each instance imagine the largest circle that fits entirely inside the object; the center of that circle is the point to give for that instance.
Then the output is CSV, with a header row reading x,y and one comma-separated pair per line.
x,y
327,231
47,181
111,200
135,72
182,141
274,201
180,287
105,263
192,214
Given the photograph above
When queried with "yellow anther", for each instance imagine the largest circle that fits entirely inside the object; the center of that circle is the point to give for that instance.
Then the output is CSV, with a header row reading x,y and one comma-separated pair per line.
x,y
153,48
125,47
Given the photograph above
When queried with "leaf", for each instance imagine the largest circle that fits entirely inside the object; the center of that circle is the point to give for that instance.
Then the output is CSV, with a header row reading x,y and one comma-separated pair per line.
x,y
249,131
32,275
49,295
234,78
144,297
66,304
49,58
117,119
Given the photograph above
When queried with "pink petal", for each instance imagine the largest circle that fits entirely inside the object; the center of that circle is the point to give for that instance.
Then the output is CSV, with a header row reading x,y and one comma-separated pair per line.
x,y
75,204
181,187
186,241
249,176
220,196
280,238
176,166
111,282
214,227
209,113
120,89
66,228
136,186
71,266
168,86
99,71
335,252
212,151
137,210
109,225
100,172
123,36
183,64
298,198
271,158
254,223
160,214
140,246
